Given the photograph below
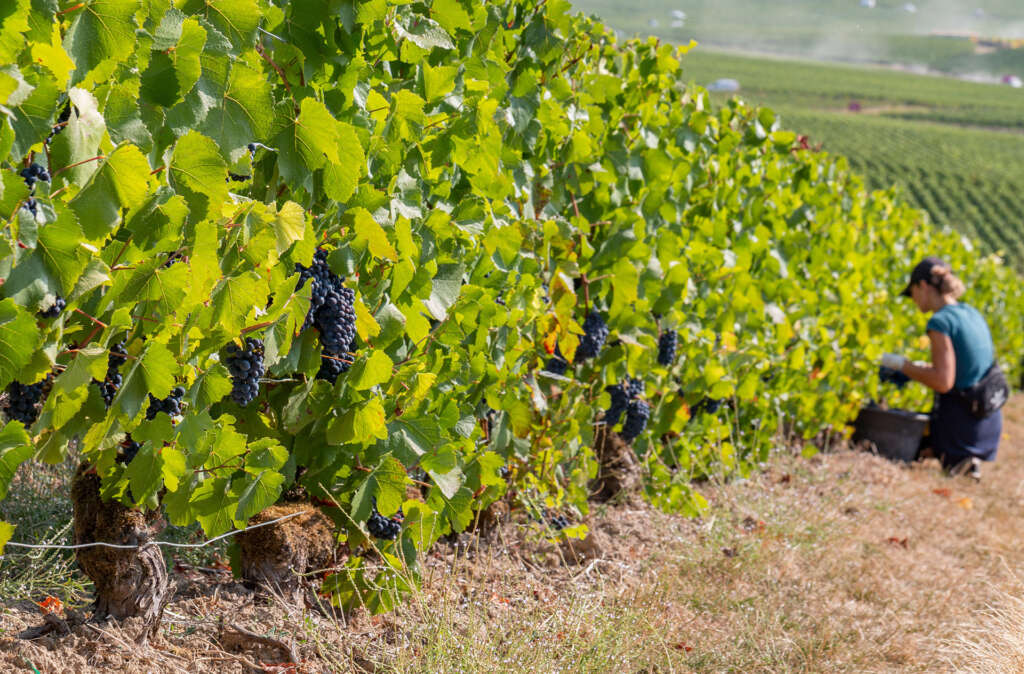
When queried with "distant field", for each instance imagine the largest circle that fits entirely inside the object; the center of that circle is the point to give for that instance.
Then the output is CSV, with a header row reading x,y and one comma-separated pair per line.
x,y
955,148
833,29
826,86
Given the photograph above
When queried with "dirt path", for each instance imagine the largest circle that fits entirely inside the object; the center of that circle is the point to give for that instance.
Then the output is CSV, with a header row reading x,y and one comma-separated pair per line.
x,y
842,563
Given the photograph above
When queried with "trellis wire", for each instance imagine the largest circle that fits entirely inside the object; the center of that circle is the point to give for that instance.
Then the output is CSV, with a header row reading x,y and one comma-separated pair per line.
x,y
169,544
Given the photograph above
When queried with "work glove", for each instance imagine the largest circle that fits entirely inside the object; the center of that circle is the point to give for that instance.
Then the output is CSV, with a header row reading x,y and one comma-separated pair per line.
x,y
891,376
893,361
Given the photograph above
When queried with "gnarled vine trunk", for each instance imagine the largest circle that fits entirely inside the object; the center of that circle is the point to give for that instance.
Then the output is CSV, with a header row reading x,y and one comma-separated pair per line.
x,y
274,556
618,472
129,582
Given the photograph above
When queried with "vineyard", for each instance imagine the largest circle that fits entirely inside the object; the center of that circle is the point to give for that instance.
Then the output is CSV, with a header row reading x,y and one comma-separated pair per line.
x,y
378,266
966,176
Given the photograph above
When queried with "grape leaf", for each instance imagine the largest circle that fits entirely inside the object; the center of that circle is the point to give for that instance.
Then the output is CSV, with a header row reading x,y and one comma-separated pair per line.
x,y
101,30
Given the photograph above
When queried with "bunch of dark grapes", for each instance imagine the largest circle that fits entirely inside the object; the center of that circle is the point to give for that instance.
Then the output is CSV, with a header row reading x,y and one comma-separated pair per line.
x,y
385,528
171,405
334,364
557,364
54,309
33,173
246,368
667,347
32,206
112,382
637,415
709,405
238,178
595,332
332,307
621,395
558,522
62,120
23,398
251,147
128,449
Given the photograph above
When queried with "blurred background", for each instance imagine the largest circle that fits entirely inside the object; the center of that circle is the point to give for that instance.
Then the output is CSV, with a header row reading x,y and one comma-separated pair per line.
x,y
925,96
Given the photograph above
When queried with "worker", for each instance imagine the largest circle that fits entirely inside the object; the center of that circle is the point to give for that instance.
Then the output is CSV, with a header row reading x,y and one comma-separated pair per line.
x,y
966,422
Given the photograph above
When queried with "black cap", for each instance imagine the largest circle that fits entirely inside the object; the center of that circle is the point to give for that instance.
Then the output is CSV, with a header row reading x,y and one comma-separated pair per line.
x,y
923,272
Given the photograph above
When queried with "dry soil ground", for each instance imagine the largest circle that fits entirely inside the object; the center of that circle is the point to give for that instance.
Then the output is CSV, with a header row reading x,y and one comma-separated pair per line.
x,y
841,562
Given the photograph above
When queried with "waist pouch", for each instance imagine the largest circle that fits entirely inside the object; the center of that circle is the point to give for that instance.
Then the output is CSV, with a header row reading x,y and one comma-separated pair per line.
x,y
987,396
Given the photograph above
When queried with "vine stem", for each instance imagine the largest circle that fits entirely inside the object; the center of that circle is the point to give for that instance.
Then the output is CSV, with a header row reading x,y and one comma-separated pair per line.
x,y
277,68
84,161
94,320
70,9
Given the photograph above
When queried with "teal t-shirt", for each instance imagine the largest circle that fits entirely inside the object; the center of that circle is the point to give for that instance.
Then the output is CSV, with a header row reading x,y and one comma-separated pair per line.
x,y
972,341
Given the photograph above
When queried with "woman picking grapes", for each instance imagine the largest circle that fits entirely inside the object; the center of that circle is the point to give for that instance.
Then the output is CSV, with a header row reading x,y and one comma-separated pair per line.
x,y
969,388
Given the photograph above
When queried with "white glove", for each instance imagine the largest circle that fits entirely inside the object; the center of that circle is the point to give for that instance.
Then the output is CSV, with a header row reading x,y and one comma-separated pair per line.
x,y
894,361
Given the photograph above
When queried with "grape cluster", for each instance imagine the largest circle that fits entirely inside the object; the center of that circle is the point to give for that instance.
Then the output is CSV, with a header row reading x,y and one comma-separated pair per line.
x,y
23,398
33,173
62,120
637,415
128,449
385,528
621,395
667,343
238,178
332,311
112,382
32,206
54,309
246,368
557,364
709,405
558,522
171,405
595,332
334,364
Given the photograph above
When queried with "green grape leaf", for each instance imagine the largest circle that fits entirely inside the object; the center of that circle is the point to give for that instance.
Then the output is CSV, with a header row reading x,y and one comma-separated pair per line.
x,y
447,285
80,140
256,493
121,182
243,112
233,299
372,371
362,424
145,473
61,250
342,177
101,30
152,372
212,504
386,485
18,335
15,449
372,235
172,72
199,173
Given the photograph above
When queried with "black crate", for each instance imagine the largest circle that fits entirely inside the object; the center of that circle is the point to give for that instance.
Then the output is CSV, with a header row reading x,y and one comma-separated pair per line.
x,y
896,433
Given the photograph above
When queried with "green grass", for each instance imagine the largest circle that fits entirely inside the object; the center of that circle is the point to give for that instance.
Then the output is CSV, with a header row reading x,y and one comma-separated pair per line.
x,y
825,86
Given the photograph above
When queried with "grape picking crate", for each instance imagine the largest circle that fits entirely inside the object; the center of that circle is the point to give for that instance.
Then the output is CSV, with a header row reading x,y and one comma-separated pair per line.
x,y
895,433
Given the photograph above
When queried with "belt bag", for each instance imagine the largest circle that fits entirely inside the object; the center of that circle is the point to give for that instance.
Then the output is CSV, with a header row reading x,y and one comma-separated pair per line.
x,y
987,396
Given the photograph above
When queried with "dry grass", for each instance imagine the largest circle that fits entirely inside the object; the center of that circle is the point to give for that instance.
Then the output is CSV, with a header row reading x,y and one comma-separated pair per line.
x,y
841,563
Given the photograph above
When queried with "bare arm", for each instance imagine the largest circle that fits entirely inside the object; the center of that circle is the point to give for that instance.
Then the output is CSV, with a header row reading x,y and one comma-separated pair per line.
x,y
941,374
